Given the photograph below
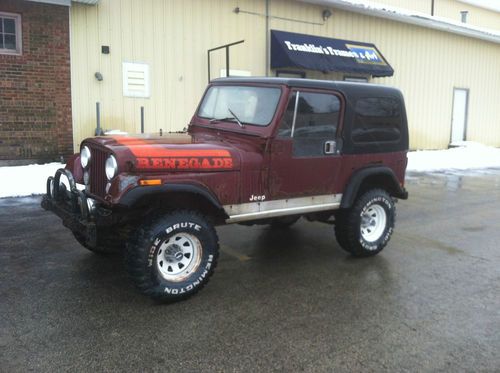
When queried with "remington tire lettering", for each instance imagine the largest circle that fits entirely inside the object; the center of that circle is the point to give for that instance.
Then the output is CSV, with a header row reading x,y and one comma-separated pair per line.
x,y
365,228
173,256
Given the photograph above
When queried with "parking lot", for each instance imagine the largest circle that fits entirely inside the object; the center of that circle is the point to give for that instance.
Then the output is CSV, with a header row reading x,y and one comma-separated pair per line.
x,y
285,300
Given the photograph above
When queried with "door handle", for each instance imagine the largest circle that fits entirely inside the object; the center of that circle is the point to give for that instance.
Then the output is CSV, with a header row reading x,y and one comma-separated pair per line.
x,y
330,147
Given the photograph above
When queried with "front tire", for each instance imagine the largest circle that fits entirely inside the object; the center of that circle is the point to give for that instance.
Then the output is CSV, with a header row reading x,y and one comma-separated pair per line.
x,y
365,229
172,257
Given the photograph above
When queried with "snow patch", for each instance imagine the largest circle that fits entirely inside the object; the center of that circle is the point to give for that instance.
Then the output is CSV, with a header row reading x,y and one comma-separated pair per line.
x,y
466,156
20,181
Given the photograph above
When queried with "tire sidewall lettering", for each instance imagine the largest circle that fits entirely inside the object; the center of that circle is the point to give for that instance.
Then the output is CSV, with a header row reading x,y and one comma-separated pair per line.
x,y
388,206
197,278
193,284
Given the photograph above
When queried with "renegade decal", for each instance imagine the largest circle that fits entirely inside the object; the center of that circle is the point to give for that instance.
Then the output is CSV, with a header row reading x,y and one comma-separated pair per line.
x,y
185,163
157,156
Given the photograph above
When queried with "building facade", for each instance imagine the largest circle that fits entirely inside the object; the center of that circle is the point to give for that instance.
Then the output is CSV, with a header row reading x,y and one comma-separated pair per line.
x,y
437,61
35,88
149,59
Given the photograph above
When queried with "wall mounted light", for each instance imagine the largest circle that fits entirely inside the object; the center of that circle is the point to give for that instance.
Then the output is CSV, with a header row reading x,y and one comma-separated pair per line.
x,y
327,13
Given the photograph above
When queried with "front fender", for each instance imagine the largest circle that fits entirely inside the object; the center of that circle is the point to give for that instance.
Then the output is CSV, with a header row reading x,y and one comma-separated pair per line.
x,y
131,197
74,166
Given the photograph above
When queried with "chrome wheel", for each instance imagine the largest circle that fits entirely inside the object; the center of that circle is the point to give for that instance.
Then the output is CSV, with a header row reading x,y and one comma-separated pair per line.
x,y
373,223
178,257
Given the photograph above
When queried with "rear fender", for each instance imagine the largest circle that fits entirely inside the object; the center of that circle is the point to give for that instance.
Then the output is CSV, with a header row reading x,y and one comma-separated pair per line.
x,y
372,177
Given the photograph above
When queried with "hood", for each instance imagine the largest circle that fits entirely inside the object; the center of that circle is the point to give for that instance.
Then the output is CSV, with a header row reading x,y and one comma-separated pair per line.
x,y
173,152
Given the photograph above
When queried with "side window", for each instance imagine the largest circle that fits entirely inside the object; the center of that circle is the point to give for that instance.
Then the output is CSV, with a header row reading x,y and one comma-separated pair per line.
x,y
10,33
377,119
315,123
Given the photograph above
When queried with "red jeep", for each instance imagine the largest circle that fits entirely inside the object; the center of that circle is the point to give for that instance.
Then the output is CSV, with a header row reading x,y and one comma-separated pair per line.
x,y
257,151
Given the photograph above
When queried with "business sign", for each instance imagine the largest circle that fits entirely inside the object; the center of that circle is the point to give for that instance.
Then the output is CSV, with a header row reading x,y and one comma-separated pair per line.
x,y
326,54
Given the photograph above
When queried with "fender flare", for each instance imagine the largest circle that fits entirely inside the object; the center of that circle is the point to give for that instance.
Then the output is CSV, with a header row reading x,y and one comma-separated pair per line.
x,y
352,187
134,195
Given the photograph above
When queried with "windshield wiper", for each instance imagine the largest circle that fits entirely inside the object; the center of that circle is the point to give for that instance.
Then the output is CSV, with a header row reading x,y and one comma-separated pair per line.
x,y
235,117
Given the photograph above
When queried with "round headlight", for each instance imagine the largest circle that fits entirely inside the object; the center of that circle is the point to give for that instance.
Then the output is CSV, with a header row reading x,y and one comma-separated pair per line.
x,y
85,156
111,167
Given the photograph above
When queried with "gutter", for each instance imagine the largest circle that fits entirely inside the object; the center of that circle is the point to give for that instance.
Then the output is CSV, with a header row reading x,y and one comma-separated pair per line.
x,y
65,2
410,17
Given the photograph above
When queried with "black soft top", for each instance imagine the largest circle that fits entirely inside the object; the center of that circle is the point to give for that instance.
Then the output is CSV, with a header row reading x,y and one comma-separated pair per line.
x,y
352,91
347,88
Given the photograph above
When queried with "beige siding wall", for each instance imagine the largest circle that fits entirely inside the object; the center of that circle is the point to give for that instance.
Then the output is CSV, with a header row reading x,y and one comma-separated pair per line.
x,y
450,9
172,36
477,16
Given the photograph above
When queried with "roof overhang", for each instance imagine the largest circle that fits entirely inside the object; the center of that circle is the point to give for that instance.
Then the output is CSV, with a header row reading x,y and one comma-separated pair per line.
x,y
410,17
65,2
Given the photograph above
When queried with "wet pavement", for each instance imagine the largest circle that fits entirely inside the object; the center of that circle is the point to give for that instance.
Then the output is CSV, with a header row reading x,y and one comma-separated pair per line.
x,y
288,300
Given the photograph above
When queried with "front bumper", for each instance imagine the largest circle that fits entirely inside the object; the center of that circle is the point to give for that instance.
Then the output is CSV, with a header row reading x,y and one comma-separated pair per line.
x,y
72,206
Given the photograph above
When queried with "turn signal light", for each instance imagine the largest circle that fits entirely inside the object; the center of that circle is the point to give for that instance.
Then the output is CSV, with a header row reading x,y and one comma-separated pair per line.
x,y
150,182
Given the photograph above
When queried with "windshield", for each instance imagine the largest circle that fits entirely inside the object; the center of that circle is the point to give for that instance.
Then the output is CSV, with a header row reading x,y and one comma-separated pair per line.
x,y
250,105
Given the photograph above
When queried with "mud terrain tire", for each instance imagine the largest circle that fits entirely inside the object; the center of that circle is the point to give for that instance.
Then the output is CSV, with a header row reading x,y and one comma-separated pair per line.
x,y
365,228
173,256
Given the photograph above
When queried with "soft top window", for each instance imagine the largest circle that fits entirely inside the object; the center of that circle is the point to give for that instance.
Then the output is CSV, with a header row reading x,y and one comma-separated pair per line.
x,y
377,119
252,105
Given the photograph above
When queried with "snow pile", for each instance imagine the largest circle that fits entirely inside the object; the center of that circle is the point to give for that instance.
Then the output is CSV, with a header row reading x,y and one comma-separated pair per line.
x,y
26,180
468,155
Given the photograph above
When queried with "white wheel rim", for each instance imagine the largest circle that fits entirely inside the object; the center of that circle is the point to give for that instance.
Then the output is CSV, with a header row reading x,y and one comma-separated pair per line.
x,y
178,257
373,223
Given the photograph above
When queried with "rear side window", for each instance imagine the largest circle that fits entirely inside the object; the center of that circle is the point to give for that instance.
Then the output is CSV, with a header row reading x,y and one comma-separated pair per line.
x,y
377,119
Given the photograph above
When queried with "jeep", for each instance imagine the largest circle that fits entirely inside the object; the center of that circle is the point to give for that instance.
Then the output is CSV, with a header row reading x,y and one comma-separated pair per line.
x,y
257,151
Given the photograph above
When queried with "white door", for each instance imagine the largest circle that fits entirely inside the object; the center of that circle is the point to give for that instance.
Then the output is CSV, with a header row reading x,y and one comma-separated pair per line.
x,y
459,115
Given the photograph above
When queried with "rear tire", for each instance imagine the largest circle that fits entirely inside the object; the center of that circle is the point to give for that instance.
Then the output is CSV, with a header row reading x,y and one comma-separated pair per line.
x,y
173,256
365,228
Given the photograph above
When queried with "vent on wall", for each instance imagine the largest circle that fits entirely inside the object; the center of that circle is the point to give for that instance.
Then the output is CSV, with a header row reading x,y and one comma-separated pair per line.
x,y
135,79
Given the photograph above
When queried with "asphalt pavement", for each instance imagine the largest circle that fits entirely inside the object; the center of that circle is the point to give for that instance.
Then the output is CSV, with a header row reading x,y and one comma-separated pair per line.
x,y
280,300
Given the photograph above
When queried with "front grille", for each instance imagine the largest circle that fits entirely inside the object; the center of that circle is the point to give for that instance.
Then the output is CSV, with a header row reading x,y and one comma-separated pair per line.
x,y
98,177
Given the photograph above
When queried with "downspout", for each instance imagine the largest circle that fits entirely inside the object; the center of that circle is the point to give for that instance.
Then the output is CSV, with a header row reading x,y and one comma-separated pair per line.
x,y
267,38
432,7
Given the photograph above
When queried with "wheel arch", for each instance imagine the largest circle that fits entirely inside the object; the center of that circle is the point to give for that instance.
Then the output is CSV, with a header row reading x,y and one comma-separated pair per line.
x,y
369,178
176,196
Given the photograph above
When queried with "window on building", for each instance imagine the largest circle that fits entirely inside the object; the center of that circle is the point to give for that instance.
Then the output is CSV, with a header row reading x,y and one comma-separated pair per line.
x,y
316,122
359,79
463,16
377,119
10,33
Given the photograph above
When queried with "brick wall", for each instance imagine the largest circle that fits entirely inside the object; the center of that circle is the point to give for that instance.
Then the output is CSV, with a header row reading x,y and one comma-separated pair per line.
x,y
35,88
